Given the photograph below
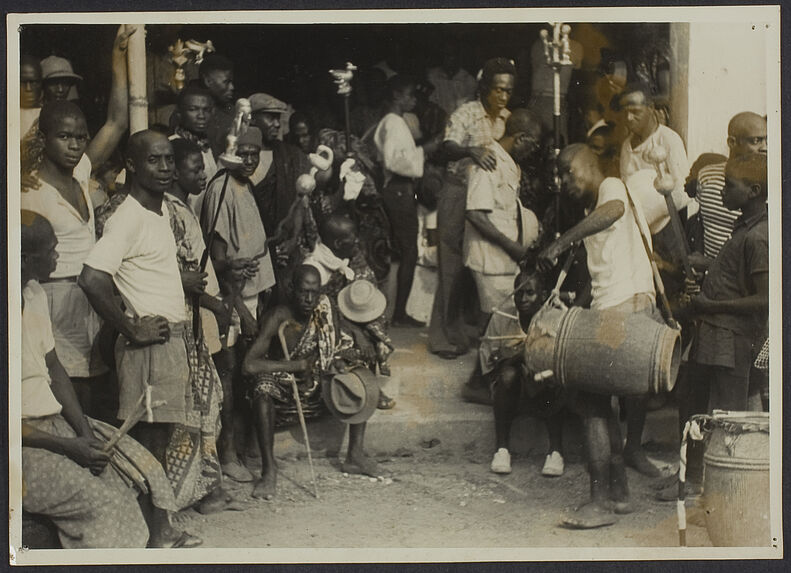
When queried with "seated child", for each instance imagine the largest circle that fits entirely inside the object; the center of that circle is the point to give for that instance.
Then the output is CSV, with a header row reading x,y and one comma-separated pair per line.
x,y
514,390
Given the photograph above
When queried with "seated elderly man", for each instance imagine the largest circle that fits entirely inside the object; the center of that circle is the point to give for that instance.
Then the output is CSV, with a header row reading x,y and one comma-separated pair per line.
x,y
68,475
340,261
315,349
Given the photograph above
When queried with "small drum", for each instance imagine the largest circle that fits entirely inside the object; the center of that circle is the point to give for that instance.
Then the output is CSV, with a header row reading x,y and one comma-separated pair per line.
x,y
736,480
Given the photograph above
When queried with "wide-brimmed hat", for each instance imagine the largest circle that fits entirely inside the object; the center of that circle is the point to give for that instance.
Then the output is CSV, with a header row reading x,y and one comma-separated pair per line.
x,y
267,103
53,67
352,396
361,301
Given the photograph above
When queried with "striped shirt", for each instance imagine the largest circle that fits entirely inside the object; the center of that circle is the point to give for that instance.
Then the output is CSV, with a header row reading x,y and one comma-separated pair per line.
x,y
717,220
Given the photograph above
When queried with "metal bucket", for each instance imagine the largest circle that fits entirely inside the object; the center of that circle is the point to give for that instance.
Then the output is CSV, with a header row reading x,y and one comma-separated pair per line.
x,y
604,351
736,481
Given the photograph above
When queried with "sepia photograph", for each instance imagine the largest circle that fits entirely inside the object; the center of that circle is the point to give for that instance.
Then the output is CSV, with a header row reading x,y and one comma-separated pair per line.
x,y
394,285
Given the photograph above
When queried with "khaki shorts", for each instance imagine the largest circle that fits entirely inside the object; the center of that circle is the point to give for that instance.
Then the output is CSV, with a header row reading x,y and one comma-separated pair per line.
x,y
162,366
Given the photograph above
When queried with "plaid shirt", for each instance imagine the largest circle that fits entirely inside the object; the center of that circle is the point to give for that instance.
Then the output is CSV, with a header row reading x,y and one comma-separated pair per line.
x,y
471,126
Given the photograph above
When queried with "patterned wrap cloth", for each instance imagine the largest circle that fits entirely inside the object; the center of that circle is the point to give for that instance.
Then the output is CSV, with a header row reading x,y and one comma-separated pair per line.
x,y
191,460
93,511
320,343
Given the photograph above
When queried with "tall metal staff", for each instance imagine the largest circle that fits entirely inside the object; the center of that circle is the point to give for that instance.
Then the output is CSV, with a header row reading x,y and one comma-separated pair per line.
x,y
558,54
343,79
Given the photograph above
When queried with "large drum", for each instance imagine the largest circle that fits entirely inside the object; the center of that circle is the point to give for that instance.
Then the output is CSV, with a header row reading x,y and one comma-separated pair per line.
x,y
736,481
604,351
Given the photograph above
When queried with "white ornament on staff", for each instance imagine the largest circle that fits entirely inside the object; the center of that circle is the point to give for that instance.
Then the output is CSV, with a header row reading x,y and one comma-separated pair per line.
x,y
241,122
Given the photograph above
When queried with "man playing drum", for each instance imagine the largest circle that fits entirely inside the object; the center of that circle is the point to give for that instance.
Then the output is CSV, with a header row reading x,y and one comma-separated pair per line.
x,y
621,278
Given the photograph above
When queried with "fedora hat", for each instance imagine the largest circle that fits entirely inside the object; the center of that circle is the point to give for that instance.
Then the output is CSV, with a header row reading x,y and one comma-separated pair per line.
x,y
352,396
53,67
361,301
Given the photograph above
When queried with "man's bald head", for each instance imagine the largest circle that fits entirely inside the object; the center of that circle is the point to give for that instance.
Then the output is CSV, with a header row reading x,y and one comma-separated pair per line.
x,y
339,233
568,153
151,161
747,134
36,230
580,173
304,272
140,142
39,257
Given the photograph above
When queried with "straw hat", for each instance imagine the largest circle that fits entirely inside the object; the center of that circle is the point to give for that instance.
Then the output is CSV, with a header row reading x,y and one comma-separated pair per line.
x,y
361,301
352,396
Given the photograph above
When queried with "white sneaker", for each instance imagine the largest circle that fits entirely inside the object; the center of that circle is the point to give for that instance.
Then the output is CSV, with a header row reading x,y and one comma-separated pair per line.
x,y
501,462
553,466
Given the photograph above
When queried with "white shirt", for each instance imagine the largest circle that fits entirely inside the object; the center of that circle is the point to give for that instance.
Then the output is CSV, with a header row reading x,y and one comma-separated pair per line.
x,y
497,193
75,235
37,341
397,149
617,261
239,225
138,250
633,160
654,206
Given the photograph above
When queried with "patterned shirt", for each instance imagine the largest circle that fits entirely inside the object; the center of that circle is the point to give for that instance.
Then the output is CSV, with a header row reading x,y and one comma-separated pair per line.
x,y
471,126
717,219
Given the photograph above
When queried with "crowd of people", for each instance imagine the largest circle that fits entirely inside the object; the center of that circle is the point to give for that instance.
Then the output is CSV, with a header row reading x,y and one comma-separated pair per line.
x,y
178,308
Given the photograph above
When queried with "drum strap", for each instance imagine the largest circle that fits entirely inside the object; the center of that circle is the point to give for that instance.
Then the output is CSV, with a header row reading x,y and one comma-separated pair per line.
x,y
645,235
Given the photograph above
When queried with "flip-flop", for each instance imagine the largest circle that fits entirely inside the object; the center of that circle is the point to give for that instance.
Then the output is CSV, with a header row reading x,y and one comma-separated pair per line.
x,y
185,541
600,519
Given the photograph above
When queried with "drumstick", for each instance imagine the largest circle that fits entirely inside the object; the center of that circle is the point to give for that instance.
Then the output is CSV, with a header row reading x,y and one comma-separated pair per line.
x,y
140,411
281,334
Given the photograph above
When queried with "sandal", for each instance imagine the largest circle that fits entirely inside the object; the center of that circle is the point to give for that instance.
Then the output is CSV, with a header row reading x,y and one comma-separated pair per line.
x,y
184,541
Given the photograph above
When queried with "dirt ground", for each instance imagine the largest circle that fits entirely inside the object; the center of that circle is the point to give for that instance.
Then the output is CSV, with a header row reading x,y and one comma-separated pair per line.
x,y
436,498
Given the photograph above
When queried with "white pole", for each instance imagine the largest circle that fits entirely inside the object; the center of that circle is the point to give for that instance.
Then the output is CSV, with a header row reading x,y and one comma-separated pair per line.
x,y
136,64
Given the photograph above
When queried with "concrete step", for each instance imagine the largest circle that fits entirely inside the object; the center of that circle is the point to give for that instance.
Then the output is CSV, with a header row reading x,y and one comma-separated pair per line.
x,y
429,407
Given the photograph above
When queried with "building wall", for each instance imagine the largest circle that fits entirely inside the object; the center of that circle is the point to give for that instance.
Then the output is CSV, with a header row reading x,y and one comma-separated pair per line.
x,y
719,70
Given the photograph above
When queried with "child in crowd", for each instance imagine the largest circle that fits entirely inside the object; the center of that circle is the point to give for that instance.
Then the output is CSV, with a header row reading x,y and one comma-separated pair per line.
x,y
514,389
734,299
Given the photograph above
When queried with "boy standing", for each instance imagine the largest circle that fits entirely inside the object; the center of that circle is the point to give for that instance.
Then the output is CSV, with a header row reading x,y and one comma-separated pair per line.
x,y
734,299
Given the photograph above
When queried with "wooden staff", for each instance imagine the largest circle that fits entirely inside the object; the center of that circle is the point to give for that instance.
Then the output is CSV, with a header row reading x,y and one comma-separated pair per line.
x,y
665,184
281,334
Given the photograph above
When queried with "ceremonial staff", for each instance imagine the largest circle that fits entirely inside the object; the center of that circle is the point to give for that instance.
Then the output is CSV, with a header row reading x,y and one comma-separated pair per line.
x,y
342,79
229,160
558,54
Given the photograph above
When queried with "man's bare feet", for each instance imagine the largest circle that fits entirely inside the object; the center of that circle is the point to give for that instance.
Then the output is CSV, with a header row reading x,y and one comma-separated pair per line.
x,y
266,486
589,516
636,459
359,463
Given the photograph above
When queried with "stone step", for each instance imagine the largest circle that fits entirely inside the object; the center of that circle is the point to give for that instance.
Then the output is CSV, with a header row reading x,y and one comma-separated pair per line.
x,y
430,412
